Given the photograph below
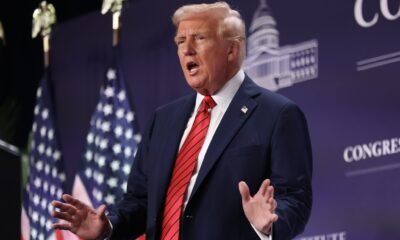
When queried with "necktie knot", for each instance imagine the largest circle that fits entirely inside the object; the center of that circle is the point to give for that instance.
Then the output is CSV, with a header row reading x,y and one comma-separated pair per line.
x,y
207,103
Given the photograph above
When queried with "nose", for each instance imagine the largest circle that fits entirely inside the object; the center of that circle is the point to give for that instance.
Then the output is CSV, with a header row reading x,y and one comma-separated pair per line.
x,y
188,48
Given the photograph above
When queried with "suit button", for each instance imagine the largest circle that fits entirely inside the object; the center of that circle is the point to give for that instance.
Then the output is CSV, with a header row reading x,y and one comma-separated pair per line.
x,y
189,217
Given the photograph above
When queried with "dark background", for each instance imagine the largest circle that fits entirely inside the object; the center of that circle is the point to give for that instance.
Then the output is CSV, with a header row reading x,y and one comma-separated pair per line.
x,y
21,62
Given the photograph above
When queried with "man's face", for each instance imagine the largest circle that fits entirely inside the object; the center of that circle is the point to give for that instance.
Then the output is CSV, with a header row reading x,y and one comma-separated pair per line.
x,y
203,54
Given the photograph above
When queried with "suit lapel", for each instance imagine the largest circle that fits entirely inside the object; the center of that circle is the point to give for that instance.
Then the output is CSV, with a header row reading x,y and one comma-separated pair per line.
x,y
174,127
238,112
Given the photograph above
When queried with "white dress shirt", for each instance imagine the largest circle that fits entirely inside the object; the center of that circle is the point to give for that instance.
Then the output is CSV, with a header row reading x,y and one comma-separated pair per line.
x,y
223,98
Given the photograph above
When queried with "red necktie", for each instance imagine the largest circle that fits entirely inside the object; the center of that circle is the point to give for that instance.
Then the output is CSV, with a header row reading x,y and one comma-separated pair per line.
x,y
185,164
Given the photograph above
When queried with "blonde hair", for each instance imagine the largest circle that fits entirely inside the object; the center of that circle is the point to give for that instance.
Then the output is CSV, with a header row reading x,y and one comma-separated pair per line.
x,y
231,24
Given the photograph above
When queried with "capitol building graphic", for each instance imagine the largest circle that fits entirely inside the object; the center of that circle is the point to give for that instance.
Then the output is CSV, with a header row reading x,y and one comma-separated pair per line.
x,y
274,67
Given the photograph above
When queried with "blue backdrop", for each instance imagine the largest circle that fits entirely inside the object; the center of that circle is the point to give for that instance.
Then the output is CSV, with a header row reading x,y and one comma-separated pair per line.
x,y
339,60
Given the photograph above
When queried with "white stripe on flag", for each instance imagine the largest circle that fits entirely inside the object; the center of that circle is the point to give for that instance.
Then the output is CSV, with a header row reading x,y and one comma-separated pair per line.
x,y
79,191
25,226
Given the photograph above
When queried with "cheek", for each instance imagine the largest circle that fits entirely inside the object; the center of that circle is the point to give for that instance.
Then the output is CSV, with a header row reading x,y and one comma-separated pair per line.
x,y
180,56
212,60
218,62
182,62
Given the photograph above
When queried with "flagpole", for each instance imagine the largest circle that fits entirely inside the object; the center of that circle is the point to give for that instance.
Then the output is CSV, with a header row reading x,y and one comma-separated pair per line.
x,y
46,50
116,28
2,35
115,6
43,18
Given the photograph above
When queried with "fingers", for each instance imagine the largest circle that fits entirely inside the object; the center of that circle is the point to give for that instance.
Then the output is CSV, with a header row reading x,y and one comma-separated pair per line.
x,y
269,194
266,190
270,199
274,217
64,207
62,226
273,204
101,210
65,212
264,187
270,191
62,215
244,191
73,201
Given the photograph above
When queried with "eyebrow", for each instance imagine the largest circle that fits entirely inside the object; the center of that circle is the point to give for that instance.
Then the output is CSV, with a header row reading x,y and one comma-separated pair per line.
x,y
180,36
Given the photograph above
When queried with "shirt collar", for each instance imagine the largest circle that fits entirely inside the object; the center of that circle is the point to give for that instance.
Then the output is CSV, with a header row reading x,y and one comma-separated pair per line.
x,y
225,95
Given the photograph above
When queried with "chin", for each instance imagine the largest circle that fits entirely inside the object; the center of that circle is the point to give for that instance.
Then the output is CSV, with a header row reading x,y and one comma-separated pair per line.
x,y
194,82
199,88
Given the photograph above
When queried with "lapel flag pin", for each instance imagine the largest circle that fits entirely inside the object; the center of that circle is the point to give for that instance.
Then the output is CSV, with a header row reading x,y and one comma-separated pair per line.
x,y
244,109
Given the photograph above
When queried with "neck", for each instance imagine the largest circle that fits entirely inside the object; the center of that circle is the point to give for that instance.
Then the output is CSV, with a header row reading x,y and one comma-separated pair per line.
x,y
211,92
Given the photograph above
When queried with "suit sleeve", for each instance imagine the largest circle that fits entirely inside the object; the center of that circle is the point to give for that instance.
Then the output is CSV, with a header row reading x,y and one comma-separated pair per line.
x,y
291,172
128,217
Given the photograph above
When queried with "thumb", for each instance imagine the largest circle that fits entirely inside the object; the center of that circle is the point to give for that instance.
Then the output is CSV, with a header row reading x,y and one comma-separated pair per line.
x,y
101,209
244,191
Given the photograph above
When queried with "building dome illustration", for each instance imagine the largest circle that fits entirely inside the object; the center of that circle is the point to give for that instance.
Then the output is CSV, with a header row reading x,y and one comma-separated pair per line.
x,y
271,65
263,35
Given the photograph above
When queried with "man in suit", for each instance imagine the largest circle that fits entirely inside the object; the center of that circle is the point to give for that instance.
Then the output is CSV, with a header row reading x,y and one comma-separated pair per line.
x,y
232,161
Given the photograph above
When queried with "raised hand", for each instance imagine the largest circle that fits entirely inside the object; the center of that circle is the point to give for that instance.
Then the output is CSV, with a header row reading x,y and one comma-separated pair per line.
x,y
79,218
259,209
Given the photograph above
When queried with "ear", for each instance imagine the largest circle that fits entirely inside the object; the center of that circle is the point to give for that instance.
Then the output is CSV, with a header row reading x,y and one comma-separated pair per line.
x,y
233,51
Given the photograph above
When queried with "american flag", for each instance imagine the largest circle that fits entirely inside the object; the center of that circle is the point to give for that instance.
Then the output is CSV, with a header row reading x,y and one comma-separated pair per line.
x,y
46,176
111,145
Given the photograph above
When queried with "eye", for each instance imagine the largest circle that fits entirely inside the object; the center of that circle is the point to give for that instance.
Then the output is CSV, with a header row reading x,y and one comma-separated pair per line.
x,y
199,37
179,41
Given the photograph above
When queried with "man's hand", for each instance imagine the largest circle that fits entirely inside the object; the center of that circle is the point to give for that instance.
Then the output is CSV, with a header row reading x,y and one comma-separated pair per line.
x,y
79,218
259,209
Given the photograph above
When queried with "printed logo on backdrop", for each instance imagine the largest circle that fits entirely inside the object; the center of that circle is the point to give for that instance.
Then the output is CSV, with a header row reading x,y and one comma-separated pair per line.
x,y
329,236
273,66
383,13
371,151
384,9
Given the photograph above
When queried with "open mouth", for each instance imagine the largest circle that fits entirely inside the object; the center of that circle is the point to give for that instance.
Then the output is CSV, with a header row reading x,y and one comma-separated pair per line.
x,y
192,67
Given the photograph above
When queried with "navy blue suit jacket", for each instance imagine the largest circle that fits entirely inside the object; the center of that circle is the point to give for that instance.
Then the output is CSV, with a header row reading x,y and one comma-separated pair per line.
x,y
270,140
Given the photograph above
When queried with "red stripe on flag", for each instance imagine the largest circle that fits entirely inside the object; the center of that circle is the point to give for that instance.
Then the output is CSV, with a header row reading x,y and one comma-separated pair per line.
x,y
143,237
59,235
